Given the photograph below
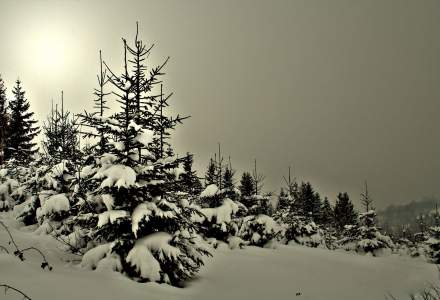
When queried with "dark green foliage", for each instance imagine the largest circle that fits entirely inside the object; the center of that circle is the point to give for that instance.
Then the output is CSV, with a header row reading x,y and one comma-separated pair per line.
x,y
61,136
229,184
308,203
327,213
344,212
246,185
191,183
211,173
19,142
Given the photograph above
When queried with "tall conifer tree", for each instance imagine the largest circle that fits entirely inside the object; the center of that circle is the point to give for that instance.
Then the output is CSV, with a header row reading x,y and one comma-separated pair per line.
x,y
3,119
19,142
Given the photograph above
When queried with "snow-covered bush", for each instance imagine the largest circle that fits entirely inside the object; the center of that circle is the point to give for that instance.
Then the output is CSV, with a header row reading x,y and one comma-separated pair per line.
x,y
217,215
366,238
433,244
258,204
260,230
303,232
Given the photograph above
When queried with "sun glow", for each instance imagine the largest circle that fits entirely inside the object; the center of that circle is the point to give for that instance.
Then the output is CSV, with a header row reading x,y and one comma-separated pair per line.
x,y
50,50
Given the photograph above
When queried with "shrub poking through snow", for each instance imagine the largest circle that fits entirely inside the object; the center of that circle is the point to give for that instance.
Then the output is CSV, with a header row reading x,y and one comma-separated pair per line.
x,y
260,230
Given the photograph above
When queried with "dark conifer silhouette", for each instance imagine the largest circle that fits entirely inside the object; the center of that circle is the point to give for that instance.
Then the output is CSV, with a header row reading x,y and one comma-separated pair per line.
x,y
344,212
246,185
19,142
3,119
61,135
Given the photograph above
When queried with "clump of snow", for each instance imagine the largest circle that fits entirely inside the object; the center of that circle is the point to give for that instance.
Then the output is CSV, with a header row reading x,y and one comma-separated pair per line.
x,y
54,204
111,262
221,215
118,145
108,201
178,171
110,216
108,159
3,172
117,175
93,256
145,210
210,191
141,255
86,171
59,169
236,242
144,137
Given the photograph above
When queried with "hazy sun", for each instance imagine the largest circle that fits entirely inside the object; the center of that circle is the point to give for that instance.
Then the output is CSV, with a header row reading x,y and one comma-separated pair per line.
x,y
49,50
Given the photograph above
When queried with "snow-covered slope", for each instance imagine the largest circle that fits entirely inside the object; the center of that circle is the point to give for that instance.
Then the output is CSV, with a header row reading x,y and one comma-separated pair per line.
x,y
289,272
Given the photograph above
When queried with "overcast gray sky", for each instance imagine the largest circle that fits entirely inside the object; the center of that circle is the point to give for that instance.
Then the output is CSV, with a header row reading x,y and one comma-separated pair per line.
x,y
342,90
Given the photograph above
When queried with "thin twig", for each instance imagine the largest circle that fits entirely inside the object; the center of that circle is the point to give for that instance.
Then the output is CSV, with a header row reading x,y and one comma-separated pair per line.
x,y
6,286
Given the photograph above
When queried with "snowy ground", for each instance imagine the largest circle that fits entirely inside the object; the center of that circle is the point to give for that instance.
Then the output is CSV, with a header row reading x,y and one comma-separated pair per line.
x,y
289,272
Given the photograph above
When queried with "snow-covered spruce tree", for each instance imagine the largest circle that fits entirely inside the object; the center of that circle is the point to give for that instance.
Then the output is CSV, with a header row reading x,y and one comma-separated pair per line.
x,y
299,225
433,243
144,230
220,213
326,222
229,183
19,142
370,239
46,196
257,227
7,187
211,173
61,135
3,119
219,217
252,197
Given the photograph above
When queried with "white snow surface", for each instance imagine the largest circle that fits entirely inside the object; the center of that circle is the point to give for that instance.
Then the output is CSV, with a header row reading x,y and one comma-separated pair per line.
x,y
250,273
